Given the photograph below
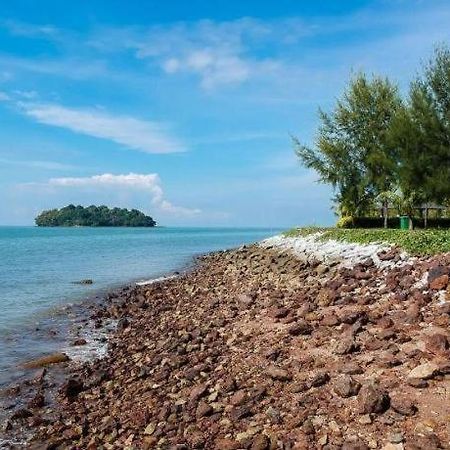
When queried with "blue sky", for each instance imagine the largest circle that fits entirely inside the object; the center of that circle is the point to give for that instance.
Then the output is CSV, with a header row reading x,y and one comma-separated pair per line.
x,y
185,109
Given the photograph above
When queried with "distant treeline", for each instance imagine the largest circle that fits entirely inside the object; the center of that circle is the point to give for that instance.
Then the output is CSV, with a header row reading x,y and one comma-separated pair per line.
x,y
93,216
385,152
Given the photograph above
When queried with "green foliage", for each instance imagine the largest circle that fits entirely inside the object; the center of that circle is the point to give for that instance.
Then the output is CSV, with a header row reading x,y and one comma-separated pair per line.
x,y
93,216
415,242
421,133
352,152
376,150
345,222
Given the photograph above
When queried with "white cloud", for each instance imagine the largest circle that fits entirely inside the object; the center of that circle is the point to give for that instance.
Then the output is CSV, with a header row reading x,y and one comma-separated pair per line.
x,y
4,97
46,165
147,183
17,28
216,52
136,134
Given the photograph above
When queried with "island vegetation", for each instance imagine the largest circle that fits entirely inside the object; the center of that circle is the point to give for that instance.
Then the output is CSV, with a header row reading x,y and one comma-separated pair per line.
x,y
385,154
93,216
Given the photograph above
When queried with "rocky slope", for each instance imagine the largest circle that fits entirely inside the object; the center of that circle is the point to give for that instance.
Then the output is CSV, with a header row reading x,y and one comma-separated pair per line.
x,y
257,349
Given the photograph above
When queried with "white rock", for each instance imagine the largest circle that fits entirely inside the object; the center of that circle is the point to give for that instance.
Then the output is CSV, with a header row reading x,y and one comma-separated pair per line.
x,y
424,371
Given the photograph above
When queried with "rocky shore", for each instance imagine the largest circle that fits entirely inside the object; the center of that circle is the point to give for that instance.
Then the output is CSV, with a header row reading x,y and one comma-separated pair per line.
x,y
260,348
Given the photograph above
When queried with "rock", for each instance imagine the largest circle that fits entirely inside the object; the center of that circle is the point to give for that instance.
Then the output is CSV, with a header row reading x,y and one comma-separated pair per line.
x,y
203,409
346,386
278,313
79,342
273,414
240,412
396,437
424,371
71,388
85,281
38,401
417,383
226,444
150,429
345,346
439,283
356,444
352,368
44,361
21,414
238,398
260,442
403,405
300,327
436,272
319,379
198,392
372,399
437,343
245,300
391,446
123,323
277,373
428,441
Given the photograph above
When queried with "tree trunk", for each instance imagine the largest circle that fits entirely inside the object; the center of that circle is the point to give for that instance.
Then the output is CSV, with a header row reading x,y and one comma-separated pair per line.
x,y
385,214
411,225
425,219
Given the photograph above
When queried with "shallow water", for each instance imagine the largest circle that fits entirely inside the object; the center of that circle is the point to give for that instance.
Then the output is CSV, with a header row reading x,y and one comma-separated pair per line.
x,y
38,268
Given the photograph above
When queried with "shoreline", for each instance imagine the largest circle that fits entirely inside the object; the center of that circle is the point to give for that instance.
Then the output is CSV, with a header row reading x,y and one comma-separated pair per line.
x,y
233,354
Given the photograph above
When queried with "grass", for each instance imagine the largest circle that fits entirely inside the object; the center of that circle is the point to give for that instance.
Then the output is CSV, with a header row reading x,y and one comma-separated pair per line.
x,y
415,242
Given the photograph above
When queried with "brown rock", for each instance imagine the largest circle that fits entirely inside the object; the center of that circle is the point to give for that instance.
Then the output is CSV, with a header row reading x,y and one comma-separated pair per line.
x,y
372,399
278,313
260,442
55,358
21,414
203,409
71,388
403,405
279,374
319,379
417,383
226,444
238,398
346,386
355,445
330,320
345,345
300,327
439,283
437,272
437,344
198,392
38,401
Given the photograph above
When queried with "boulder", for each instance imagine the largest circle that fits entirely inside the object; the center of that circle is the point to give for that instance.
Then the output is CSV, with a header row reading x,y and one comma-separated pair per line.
x,y
424,371
346,386
44,361
373,399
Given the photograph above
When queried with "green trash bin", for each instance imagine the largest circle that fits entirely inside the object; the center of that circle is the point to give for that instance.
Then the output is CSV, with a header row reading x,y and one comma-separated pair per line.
x,y
404,222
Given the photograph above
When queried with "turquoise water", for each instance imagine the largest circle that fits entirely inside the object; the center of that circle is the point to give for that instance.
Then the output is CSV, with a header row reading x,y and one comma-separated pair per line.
x,y
38,268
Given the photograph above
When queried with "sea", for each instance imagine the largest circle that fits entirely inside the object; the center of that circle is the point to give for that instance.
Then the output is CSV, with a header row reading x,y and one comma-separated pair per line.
x,y
41,301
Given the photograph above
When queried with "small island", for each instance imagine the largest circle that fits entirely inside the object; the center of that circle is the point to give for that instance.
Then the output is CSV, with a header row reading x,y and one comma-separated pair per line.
x,y
93,216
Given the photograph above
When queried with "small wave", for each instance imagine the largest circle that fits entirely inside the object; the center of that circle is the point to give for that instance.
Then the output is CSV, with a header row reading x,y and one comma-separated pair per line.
x,y
155,280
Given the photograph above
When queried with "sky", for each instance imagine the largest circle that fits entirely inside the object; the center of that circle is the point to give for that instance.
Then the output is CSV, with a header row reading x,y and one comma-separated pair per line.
x,y
186,110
